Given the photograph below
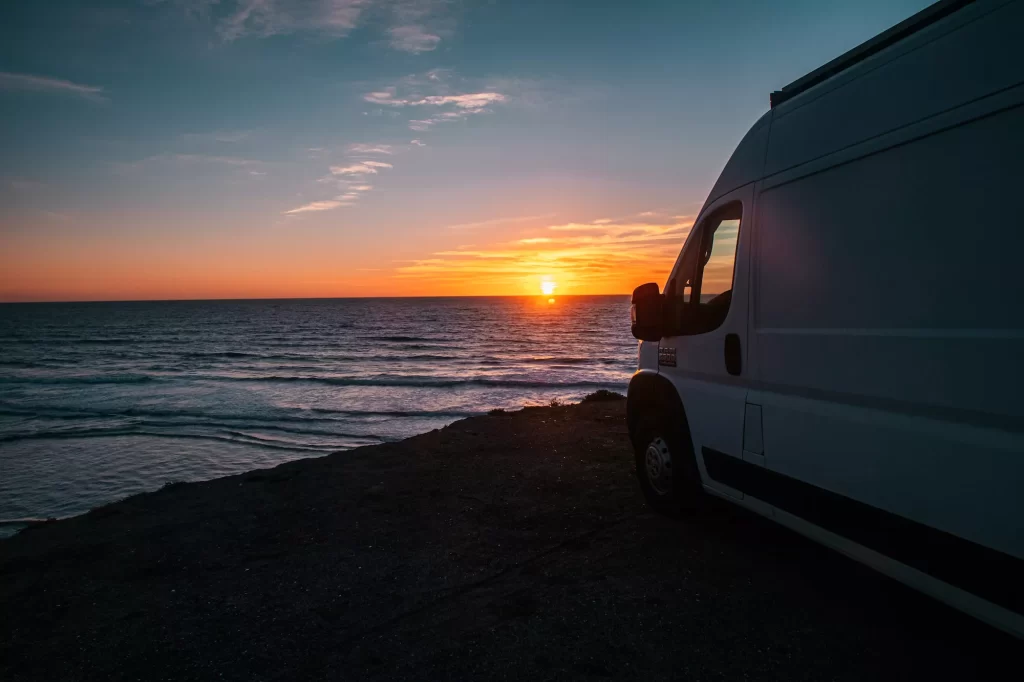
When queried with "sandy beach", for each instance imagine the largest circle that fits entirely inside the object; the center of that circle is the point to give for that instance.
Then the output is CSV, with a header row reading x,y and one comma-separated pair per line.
x,y
513,546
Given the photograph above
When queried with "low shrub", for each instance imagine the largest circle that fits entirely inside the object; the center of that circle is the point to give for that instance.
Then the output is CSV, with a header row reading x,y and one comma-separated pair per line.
x,y
602,396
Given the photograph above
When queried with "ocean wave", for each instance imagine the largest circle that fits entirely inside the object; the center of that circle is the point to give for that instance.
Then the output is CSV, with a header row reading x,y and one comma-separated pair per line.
x,y
421,382
548,361
89,379
22,364
239,438
298,417
244,436
240,426
398,381
398,338
237,355
64,339
554,360
427,346
319,357
97,342
397,413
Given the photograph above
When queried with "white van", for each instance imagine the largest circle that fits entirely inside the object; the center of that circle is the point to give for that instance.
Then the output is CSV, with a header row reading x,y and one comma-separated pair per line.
x,y
840,344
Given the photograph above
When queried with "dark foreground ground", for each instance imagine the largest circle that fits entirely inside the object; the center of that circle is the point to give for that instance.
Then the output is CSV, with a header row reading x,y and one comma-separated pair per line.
x,y
513,546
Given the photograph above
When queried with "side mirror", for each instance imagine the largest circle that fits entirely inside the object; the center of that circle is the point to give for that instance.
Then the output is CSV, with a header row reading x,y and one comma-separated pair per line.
x,y
646,313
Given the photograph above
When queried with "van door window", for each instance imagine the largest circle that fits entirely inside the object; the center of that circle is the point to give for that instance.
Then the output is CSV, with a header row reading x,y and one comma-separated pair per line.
x,y
711,277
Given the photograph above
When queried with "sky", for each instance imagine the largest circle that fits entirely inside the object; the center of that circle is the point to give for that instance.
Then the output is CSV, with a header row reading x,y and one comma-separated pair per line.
x,y
180,149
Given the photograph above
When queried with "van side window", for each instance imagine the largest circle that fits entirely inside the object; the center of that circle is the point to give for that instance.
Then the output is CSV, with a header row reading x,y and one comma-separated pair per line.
x,y
710,278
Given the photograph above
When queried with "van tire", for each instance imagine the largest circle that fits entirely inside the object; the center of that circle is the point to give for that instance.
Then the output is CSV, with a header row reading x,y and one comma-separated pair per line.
x,y
666,467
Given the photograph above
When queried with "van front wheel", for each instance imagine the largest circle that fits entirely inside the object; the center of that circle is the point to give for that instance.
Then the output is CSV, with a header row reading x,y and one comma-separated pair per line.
x,y
665,468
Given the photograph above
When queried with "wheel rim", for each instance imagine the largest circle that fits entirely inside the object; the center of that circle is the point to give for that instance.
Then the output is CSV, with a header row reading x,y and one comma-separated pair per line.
x,y
658,461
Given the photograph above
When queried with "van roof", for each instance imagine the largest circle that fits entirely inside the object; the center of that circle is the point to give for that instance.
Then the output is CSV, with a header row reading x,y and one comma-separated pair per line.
x,y
915,23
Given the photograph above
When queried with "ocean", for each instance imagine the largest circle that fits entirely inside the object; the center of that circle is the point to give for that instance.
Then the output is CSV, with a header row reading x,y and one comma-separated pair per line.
x,y
103,400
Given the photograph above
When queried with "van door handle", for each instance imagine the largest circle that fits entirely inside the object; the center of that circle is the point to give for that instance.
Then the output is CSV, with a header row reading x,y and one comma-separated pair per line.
x,y
733,356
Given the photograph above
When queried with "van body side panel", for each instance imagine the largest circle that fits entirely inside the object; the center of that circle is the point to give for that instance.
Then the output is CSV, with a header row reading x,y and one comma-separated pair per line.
x,y
898,253
973,53
890,339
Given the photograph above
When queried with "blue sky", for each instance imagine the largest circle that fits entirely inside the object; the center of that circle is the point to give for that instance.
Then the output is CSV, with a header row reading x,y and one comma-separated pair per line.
x,y
205,148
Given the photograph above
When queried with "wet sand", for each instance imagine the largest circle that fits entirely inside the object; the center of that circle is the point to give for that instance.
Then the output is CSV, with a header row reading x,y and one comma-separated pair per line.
x,y
509,546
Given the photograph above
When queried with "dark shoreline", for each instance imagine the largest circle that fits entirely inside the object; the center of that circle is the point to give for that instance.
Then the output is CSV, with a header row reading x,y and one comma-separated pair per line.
x,y
510,545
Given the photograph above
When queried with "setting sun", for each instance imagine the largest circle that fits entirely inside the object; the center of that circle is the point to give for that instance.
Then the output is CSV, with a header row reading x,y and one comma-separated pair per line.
x,y
548,287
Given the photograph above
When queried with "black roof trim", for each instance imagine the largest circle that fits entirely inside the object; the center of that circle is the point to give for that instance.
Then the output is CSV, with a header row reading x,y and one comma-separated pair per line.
x,y
929,15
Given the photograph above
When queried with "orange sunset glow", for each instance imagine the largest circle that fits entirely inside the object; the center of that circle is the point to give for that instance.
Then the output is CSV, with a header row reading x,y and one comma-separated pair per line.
x,y
601,256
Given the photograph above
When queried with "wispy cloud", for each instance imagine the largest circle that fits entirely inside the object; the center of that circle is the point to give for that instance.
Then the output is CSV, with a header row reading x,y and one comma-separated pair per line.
x,y
417,143
500,221
265,18
419,25
370,149
361,168
24,81
435,90
412,26
350,179
470,100
425,124
414,39
572,227
316,206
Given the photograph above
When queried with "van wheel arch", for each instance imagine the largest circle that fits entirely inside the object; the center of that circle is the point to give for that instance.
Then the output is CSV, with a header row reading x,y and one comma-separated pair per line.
x,y
649,392
653,408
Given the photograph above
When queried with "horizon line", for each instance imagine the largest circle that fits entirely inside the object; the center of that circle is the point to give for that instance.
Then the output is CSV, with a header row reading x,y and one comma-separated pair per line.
x,y
303,298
